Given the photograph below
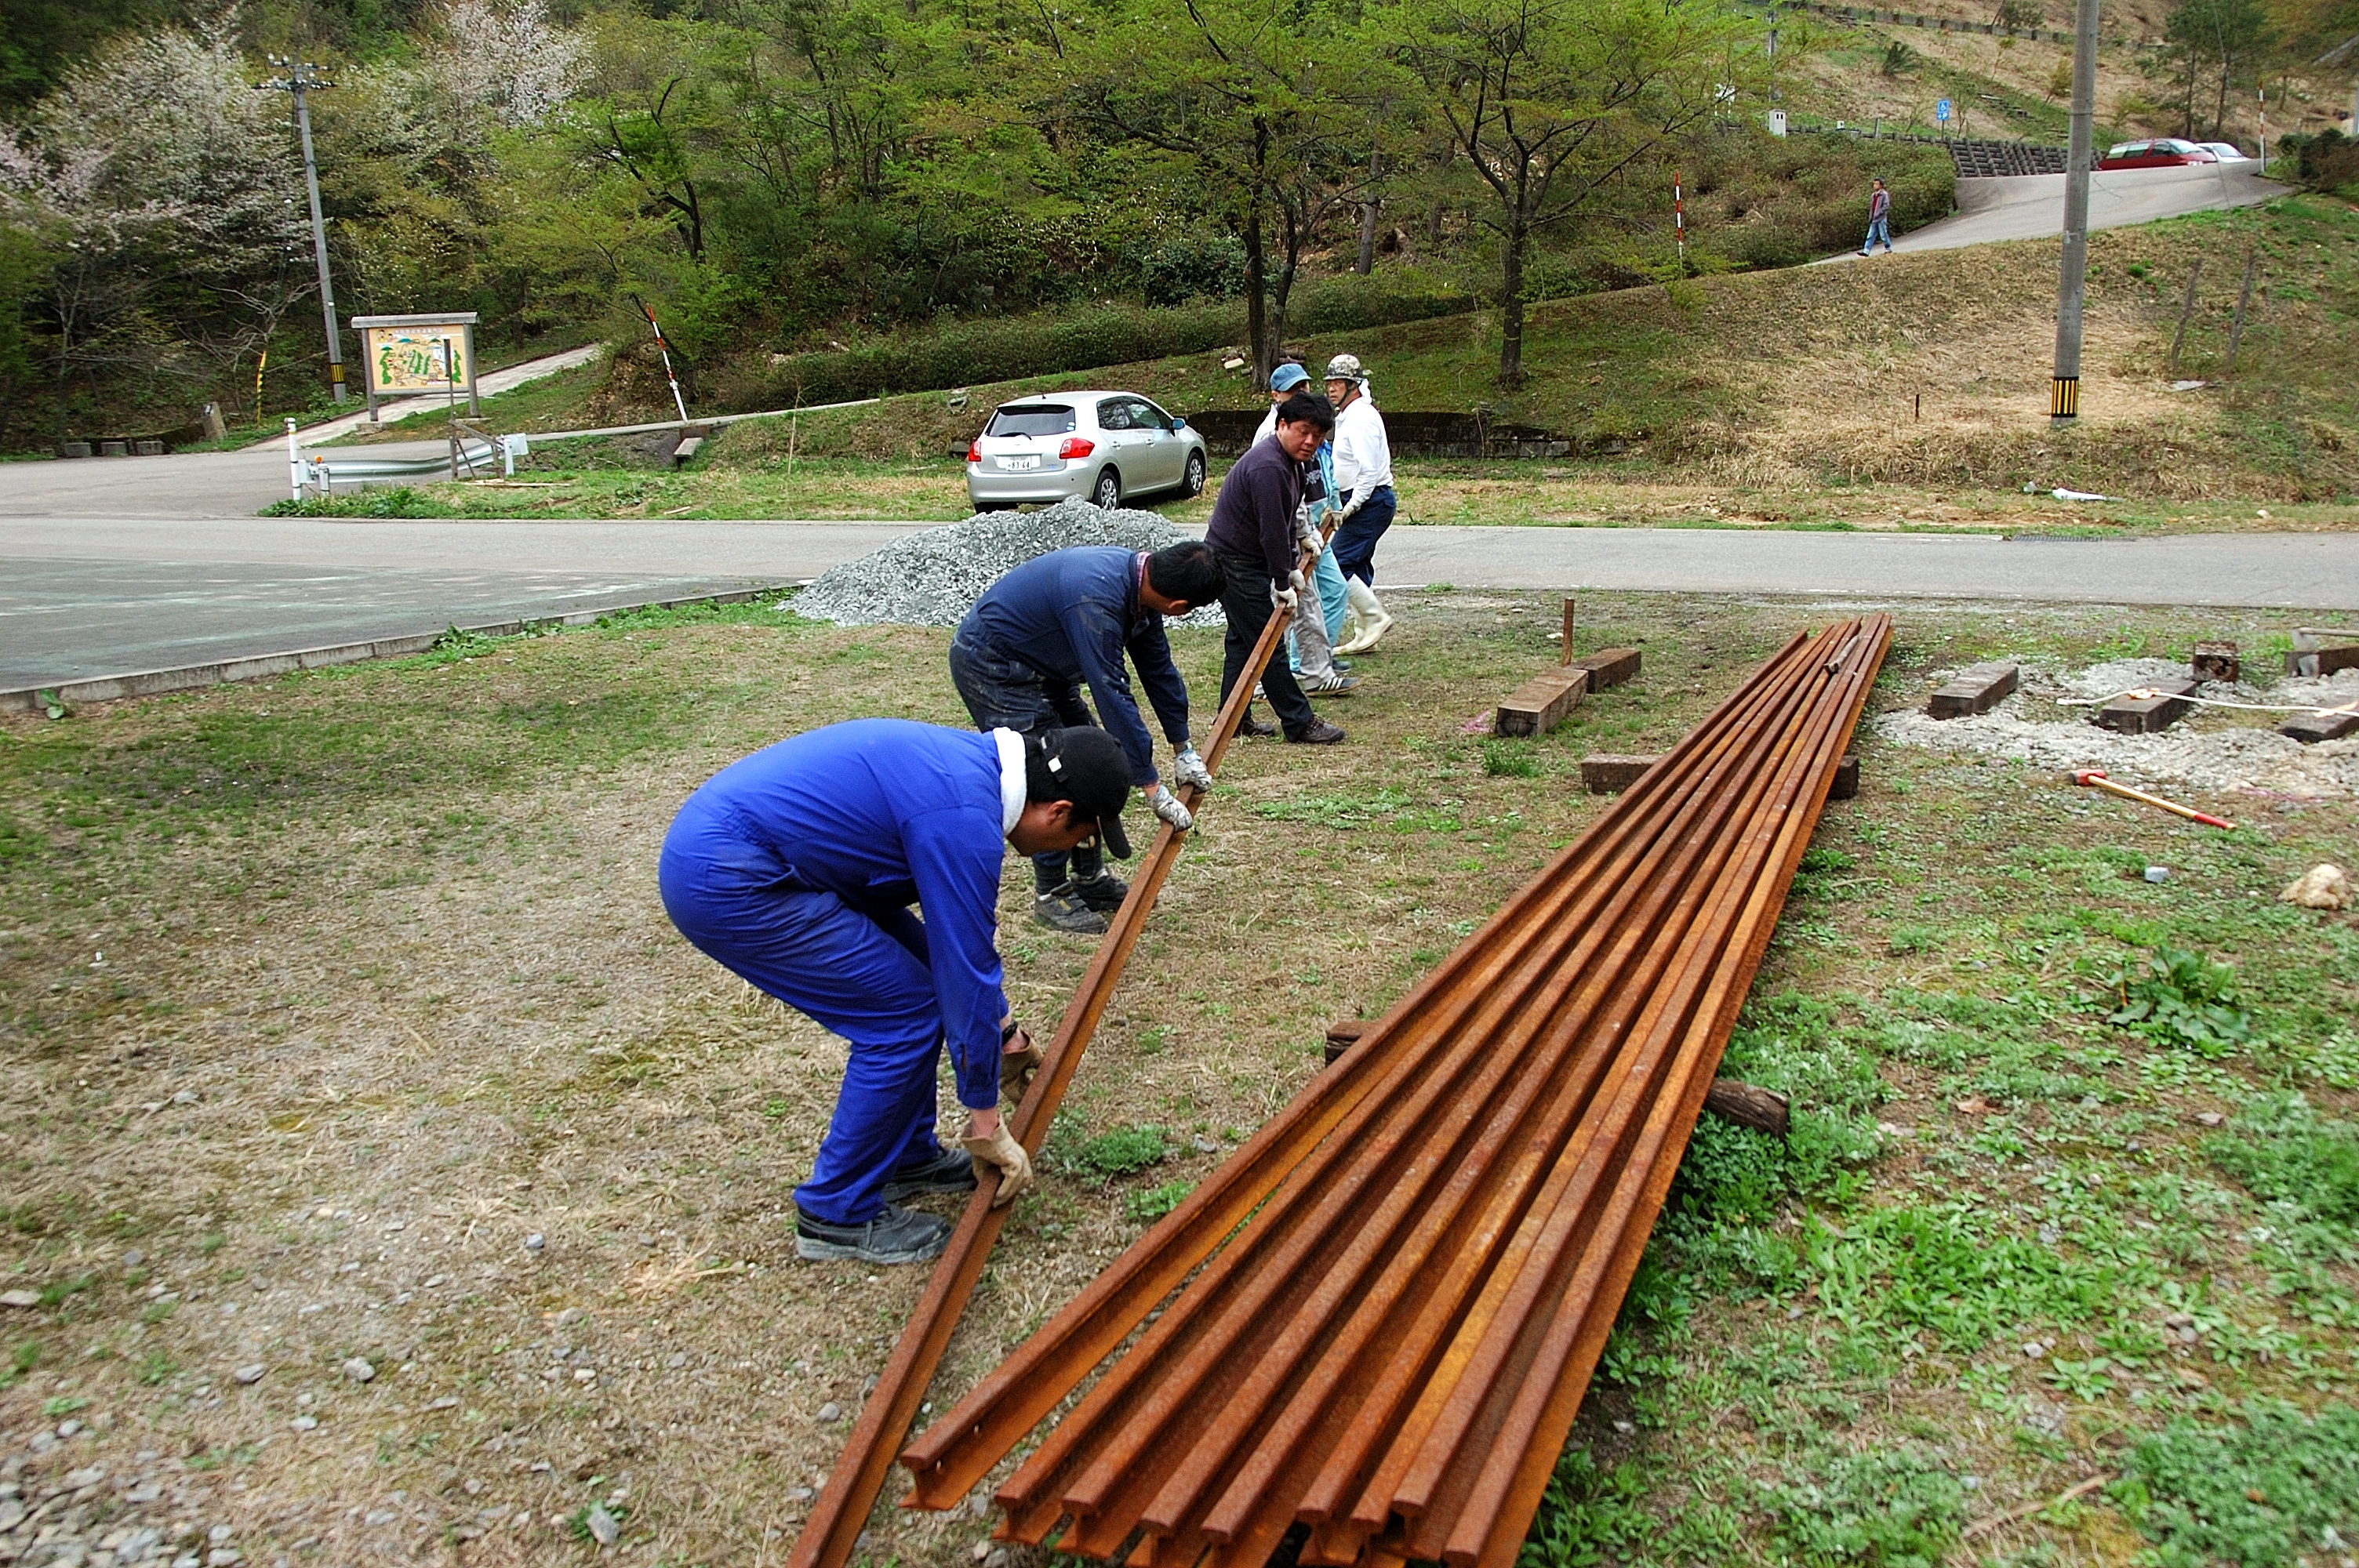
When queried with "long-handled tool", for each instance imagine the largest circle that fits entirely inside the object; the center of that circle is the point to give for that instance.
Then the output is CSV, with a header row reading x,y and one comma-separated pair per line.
x,y
2096,780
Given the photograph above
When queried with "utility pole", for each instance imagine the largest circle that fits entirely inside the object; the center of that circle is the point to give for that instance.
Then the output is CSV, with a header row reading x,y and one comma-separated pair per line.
x,y
303,76
2072,272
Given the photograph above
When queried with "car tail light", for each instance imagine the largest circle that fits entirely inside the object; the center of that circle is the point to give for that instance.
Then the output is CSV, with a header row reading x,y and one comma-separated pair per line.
x,y
1075,447
974,450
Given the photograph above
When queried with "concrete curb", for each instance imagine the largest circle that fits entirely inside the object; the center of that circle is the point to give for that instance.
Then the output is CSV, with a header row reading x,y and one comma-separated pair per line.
x,y
263,667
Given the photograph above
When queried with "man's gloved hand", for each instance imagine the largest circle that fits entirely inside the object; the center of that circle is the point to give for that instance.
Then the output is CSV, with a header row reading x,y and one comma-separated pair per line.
x,y
1018,1061
1283,599
1344,513
1294,580
999,1149
1168,807
1189,768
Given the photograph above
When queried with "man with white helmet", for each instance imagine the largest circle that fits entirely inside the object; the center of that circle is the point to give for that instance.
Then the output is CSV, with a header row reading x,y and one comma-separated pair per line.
x,y
1363,483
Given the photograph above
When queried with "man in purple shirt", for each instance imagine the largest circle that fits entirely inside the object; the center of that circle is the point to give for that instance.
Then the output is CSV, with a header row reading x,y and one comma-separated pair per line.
x,y
1879,219
1252,534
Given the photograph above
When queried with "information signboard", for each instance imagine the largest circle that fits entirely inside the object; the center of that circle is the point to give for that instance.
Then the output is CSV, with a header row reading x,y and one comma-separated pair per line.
x,y
412,356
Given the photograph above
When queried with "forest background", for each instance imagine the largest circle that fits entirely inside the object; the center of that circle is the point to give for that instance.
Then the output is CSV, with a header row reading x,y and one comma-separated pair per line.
x,y
784,180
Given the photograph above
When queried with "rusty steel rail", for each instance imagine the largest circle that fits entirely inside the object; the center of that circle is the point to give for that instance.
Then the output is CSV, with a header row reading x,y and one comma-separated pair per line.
x,y
1437,1234
842,1507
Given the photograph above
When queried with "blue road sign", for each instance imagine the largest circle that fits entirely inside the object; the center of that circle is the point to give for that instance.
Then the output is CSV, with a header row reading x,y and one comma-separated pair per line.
x,y
1942,110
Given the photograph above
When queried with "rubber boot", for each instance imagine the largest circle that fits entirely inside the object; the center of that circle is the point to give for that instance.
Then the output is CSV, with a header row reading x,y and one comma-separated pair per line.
x,y
1373,622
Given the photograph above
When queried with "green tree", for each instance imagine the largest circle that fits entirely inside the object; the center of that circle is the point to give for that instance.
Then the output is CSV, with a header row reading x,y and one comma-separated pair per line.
x,y
2224,40
1551,102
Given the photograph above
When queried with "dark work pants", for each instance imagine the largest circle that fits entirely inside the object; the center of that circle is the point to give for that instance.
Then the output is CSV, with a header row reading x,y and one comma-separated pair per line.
x,y
1356,535
1001,692
1244,600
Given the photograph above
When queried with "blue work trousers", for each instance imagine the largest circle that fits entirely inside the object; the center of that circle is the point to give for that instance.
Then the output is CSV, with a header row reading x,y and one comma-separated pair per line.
x,y
1001,692
1878,229
1355,537
859,973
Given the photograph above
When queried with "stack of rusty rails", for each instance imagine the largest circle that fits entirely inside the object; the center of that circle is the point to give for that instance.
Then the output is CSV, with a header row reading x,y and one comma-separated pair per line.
x,y
842,1509
1390,1298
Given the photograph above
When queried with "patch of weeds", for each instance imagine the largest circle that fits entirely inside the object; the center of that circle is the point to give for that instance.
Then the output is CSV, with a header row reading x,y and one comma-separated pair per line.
x,y
2333,1061
1589,1514
2277,1488
578,1521
1122,1152
1144,1208
1897,1508
2177,998
1390,806
2284,1152
156,1367
21,1360
1907,941
1503,759
52,1294
157,1311
64,1404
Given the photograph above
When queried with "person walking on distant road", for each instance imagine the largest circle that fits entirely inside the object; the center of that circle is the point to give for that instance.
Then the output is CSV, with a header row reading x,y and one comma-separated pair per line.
x,y
1879,219
1023,652
1254,530
1365,501
796,869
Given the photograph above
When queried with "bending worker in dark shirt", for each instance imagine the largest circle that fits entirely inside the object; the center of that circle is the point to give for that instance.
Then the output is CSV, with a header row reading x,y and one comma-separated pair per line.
x,y
795,867
1024,650
1252,534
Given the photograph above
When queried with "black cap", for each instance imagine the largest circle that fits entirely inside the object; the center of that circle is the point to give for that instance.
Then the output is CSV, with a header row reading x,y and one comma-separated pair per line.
x,y
1086,765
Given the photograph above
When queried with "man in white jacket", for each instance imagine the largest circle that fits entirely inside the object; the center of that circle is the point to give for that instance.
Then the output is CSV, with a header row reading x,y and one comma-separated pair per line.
x,y
1364,484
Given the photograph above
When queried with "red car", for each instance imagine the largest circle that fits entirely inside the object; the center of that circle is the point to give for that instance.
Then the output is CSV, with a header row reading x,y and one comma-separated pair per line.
x,y
2165,152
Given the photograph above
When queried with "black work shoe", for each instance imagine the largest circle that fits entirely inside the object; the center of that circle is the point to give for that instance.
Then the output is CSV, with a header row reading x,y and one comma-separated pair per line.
x,y
1103,892
896,1235
1319,733
950,1170
1254,727
1059,910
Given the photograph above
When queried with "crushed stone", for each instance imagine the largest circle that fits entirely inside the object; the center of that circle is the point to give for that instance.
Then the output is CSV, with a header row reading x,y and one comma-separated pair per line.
x,y
2232,750
932,579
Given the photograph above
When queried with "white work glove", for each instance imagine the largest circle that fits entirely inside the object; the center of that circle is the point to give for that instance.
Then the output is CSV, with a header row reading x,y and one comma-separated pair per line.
x,y
1294,580
1305,532
1189,768
1284,598
1168,807
1002,1152
1343,515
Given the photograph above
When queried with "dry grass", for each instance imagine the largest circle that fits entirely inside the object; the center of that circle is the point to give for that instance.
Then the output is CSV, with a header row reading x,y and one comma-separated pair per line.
x,y
393,934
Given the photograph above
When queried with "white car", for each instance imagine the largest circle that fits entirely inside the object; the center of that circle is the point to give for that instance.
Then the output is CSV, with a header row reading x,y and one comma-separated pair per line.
x,y
2226,152
1094,446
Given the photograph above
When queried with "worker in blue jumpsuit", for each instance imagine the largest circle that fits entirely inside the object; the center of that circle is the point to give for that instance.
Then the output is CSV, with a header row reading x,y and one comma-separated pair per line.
x,y
1025,649
796,868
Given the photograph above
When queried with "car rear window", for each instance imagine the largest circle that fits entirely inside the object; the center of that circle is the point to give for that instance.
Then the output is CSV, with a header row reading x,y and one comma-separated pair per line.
x,y
1031,419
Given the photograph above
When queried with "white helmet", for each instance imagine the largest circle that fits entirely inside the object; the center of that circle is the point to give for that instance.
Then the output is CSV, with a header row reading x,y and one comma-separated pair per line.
x,y
1345,367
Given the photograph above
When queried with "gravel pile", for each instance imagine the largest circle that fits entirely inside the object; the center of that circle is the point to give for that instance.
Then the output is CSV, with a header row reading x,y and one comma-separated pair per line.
x,y
2215,749
931,578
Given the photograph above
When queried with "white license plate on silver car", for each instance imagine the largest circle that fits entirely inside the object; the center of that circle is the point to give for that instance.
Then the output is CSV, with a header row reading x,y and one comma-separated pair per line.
x,y
1032,462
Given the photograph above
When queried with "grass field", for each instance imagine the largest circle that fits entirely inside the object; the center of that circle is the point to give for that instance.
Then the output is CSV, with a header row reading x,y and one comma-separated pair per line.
x,y
321,1001
1912,391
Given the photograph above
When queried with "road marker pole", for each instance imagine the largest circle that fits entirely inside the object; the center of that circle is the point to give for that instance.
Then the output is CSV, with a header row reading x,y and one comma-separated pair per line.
x,y
2072,270
294,461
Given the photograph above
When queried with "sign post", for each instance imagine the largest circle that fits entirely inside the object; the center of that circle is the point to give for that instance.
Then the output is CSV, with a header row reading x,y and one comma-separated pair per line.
x,y
1941,112
407,356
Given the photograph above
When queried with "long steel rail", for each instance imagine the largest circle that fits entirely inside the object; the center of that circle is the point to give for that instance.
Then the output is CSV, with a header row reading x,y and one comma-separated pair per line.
x,y
1390,1300
842,1509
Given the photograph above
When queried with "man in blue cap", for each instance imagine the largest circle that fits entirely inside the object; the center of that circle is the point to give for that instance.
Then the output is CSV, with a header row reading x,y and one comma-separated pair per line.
x,y
796,868
1025,649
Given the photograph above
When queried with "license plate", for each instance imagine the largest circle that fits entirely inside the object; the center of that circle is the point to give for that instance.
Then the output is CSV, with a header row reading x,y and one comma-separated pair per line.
x,y
1033,462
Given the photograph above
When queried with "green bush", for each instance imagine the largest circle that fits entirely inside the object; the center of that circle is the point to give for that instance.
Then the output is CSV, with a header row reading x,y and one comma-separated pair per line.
x,y
1122,1152
1011,348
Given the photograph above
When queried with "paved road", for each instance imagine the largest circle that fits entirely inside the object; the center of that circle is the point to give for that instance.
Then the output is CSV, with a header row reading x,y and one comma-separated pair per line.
x,y
87,596
2031,206
191,484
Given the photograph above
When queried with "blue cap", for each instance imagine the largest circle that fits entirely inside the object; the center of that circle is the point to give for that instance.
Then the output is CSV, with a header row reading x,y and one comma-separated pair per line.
x,y
1288,376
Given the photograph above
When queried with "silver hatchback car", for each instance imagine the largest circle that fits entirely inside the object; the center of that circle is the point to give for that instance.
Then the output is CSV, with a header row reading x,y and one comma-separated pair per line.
x,y
1092,446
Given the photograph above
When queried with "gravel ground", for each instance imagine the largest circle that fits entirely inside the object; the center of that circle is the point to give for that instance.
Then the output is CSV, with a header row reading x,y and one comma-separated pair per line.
x,y
931,578
2212,749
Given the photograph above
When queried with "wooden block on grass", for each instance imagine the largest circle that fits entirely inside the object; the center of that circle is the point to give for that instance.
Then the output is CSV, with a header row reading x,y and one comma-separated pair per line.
x,y
1342,1036
1608,666
1846,784
2310,729
2312,657
1973,691
2145,715
1611,774
2217,661
1540,704
1749,1105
